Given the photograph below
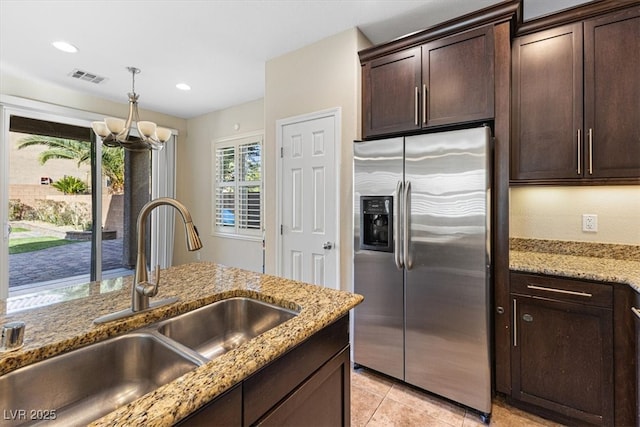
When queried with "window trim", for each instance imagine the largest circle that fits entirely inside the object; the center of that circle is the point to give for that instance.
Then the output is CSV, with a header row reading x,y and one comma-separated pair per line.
x,y
236,141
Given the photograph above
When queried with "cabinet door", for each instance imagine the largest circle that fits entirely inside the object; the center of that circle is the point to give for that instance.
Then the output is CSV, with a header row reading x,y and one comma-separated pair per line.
x,y
636,315
612,94
225,410
563,358
390,89
271,384
322,400
457,75
547,140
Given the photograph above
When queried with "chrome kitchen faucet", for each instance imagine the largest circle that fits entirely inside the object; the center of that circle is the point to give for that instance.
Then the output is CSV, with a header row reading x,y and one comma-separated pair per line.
x,y
142,288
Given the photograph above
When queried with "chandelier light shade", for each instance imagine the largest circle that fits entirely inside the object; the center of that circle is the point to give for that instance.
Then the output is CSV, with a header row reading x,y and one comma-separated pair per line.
x,y
117,132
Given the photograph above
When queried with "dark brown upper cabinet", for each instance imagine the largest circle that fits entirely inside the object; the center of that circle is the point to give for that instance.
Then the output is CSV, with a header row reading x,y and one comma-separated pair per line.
x,y
390,93
457,78
443,82
547,104
612,95
576,102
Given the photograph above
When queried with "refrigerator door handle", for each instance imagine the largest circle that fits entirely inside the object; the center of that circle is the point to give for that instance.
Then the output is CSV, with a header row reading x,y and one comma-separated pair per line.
x,y
406,227
397,248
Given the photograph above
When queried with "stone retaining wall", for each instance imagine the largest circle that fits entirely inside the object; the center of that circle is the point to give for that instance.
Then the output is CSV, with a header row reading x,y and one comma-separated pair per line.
x,y
112,204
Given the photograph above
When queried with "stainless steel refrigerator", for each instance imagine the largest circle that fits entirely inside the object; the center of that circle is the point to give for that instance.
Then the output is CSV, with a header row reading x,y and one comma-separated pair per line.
x,y
421,260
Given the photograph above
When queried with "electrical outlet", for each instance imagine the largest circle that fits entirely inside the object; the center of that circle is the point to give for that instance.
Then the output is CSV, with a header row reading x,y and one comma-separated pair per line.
x,y
590,223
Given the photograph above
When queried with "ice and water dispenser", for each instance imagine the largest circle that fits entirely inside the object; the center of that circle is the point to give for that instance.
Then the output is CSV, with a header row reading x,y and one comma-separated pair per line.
x,y
376,220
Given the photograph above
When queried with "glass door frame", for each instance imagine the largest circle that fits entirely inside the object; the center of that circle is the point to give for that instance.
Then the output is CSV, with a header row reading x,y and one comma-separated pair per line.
x,y
162,183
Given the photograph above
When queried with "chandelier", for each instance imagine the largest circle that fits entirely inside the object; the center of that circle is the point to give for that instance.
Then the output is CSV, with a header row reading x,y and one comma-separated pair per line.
x,y
118,132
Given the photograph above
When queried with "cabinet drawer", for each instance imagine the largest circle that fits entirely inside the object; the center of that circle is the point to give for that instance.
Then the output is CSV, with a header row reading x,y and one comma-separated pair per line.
x,y
588,293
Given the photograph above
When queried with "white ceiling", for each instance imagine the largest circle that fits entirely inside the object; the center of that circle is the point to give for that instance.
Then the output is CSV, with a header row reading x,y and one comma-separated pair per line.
x,y
218,47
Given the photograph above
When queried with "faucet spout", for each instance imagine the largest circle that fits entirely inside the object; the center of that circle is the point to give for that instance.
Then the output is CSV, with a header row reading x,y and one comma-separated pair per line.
x,y
142,289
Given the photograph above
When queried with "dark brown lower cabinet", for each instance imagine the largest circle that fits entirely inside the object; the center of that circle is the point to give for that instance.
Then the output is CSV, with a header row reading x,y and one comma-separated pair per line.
x,y
562,349
322,400
636,315
225,410
308,385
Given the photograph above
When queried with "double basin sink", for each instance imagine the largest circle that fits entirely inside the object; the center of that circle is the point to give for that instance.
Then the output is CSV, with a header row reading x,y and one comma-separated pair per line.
x,y
81,386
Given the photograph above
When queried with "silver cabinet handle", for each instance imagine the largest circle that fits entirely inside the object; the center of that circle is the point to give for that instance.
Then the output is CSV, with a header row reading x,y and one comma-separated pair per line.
x,y
417,95
636,312
424,104
408,261
515,323
559,291
397,227
327,245
579,152
590,151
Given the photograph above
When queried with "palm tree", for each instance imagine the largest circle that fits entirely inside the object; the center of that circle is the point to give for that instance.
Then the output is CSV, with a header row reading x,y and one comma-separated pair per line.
x,y
80,151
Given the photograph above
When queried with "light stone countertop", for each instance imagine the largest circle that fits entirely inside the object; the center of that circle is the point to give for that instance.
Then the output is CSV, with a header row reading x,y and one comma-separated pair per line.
x,y
590,261
68,325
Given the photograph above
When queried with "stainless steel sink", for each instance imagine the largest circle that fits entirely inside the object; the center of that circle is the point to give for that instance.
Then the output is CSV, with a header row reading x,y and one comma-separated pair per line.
x,y
215,329
81,386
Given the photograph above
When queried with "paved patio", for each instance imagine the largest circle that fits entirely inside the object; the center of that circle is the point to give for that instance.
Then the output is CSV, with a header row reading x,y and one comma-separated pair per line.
x,y
60,262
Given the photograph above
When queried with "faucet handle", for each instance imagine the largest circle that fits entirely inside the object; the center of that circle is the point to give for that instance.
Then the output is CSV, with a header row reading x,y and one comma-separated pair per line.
x,y
148,288
152,290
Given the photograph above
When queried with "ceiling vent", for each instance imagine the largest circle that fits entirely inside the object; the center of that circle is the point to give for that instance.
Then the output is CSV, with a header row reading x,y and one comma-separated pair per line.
x,y
86,76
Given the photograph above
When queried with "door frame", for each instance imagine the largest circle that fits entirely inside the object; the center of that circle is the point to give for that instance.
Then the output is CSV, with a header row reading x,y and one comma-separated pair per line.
x,y
9,106
336,114
163,180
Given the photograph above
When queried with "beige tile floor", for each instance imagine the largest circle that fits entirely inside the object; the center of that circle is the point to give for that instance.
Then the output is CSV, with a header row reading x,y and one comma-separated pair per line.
x,y
379,401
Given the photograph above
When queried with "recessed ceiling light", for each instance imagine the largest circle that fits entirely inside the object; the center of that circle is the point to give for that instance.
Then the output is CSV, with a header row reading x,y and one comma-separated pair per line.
x,y
183,86
65,47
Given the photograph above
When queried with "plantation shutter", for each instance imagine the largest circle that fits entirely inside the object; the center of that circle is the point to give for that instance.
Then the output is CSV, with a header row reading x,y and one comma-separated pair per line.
x,y
238,186
249,186
225,191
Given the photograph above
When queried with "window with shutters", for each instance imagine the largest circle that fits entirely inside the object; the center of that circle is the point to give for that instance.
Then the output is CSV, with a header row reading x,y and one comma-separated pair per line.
x,y
238,187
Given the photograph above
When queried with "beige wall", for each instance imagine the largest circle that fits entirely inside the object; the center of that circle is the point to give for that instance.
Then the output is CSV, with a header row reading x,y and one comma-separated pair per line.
x,y
320,76
194,184
556,213
317,77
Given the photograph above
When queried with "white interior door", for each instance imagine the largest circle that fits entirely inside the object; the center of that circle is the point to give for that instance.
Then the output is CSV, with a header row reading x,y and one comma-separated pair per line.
x,y
309,197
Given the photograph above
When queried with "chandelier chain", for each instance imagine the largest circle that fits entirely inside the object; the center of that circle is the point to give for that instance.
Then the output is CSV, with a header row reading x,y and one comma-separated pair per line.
x,y
133,71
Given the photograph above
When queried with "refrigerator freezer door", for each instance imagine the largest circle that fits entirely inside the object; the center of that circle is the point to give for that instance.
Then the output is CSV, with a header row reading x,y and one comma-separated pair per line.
x,y
446,289
379,320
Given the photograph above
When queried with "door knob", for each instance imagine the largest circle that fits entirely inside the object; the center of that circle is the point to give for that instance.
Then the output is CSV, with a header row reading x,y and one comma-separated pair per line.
x,y
327,245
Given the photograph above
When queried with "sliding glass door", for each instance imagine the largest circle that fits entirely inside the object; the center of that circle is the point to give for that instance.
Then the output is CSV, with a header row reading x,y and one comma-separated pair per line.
x,y
66,211
62,186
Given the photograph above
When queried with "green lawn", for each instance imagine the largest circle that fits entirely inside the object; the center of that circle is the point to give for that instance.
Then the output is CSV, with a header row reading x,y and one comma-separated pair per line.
x,y
19,229
30,244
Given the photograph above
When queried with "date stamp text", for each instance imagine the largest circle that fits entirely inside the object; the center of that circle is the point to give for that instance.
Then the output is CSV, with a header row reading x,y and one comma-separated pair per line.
x,y
29,414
